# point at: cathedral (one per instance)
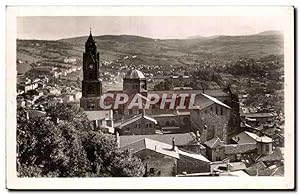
(91, 83)
(217, 113)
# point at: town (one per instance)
(236, 127)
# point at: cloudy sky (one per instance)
(53, 28)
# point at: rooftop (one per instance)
(134, 119)
(156, 146)
(195, 156)
(135, 74)
(180, 139)
(98, 115)
(259, 115)
(214, 142)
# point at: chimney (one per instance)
(118, 139)
(198, 136)
(27, 115)
(204, 134)
(173, 143)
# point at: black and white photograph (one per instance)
(183, 96)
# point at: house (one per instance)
(174, 122)
(102, 120)
(258, 118)
(192, 163)
(263, 143)
(137, 125)
(160, 159)
(213, 148)
(237, 166)
(274, 158)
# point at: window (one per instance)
(216, 110)
(151, 170)
(211, 109)
(109, 123)
(267, 148)
(167, 123)
(205, 111)
(173, 123)
(137, 126)
(148, 125)
(221, 111)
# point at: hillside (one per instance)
(155, 51)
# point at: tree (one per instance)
(107, 160)
(69, 147)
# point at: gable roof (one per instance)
(155, 146)
(236, 166)
(245, 137)
(98, 115)
(277, 155)
(134, 119)
(195, 156)
(180, 139)
(215, 100)
(213, 143)
(134, 74)
(210, 92)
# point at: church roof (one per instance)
(134, 74)
(90, 39)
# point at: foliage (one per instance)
(69, 147)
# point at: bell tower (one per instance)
(91, 83)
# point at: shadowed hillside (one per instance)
(156, 51)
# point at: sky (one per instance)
(163, 27)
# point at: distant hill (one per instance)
(271, 32)
(156, 51)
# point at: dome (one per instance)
(134, 74)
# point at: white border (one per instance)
(13, 182)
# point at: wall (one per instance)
(139, 127)
(215, 120)
(167, 166)
(181, 121)
(191, 165)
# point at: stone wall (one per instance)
(192, 165)
(215, 117)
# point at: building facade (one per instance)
(91, 83)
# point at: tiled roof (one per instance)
(279, 171)
(210, 92)
(236, 166)
(216, 101)
(134, 119)
(195, 156)
(180, 139)
(258, 115)
(239, 148)
(159, 147)
(98, 115)
(277, 155)
(245, 137)
(134, 74)
(213, 143)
